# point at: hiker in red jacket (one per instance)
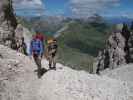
(42, 38)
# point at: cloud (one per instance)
(119, 13)
(127, 14)
(86, 8)
(56, 12)
(28, 7)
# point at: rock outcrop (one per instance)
(118, 51)
(17, 78)
(130, 45)
(114, 54)
(18, 81)
(23, 32)
(8, 22)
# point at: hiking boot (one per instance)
(53, 68)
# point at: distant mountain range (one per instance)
(54, 23)
(118, 20)
(59, 19)
(48, 23)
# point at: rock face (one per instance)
(8, 21)
(16, 76)
(18, 81)
(130, 45)
(114, 54)
(118, 51)
(20, 32)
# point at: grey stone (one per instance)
(8, 21)
(114, 53)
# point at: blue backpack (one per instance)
(36, 46)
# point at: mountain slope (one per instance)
(80, 38)
(67, 84)
(80, 42)
(18, 81)
(123, 73)
(45, 24)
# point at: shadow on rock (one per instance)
(41, 72)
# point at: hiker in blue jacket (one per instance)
(36, 50)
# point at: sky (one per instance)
(74, 8)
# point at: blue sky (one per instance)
(76, 8)
(56, 6)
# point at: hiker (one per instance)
(36, 50)
(13, 44)
(42, 38)
(51, 52)
(21, 46)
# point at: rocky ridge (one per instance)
(118, 50)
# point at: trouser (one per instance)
(52, 61)
(37, 61)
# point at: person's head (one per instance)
(37, 32)
(54, 40)
(51, 40)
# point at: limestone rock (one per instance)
(123, 73)
(114, 53)
(18, 81)
(130, 44)
(23, 32)
(7, 21)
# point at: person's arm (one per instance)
(56, 47)
(25, 48)
(46, 52)
(41, 48)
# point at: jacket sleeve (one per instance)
(41, 48)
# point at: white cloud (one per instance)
(122, 13)
(86, 8)
(29, 5)
(126, 14)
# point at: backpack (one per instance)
(52, 48)
(23, 48)
(36, 46)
